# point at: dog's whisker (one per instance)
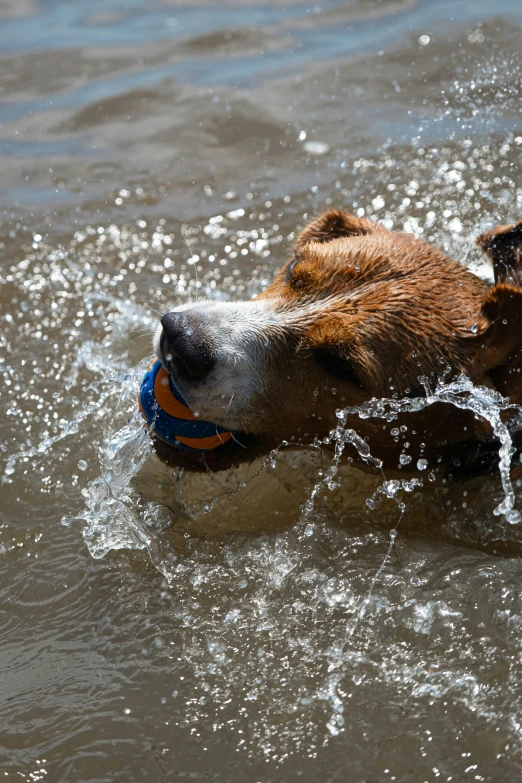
(152, 305)
(142, 330)
(171, 295)
(148, 336)
(229, 404)
(195, 264)
(237, 441)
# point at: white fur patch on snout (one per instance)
(238, 334)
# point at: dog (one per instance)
(357, 312)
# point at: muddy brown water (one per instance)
(295, 651)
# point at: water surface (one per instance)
(308, 650)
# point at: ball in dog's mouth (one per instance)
(170, 418)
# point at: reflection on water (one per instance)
(312, 632)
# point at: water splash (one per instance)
(340, 437)
(462, 393)
(483, 402)
(118, 517)
(115, 516)
(106, 389)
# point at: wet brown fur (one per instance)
(400, 307)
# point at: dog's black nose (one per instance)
(186, 351)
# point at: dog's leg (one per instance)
(503, 245)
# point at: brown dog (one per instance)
(358, 312)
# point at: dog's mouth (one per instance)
(189, 369)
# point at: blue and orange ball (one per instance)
(170, 418)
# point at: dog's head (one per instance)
(357, 312)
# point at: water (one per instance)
(297, 619)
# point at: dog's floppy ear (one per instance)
(503, 245)
(334, 224)
(499, 340)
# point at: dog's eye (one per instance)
(290, 268)
(337, 367)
